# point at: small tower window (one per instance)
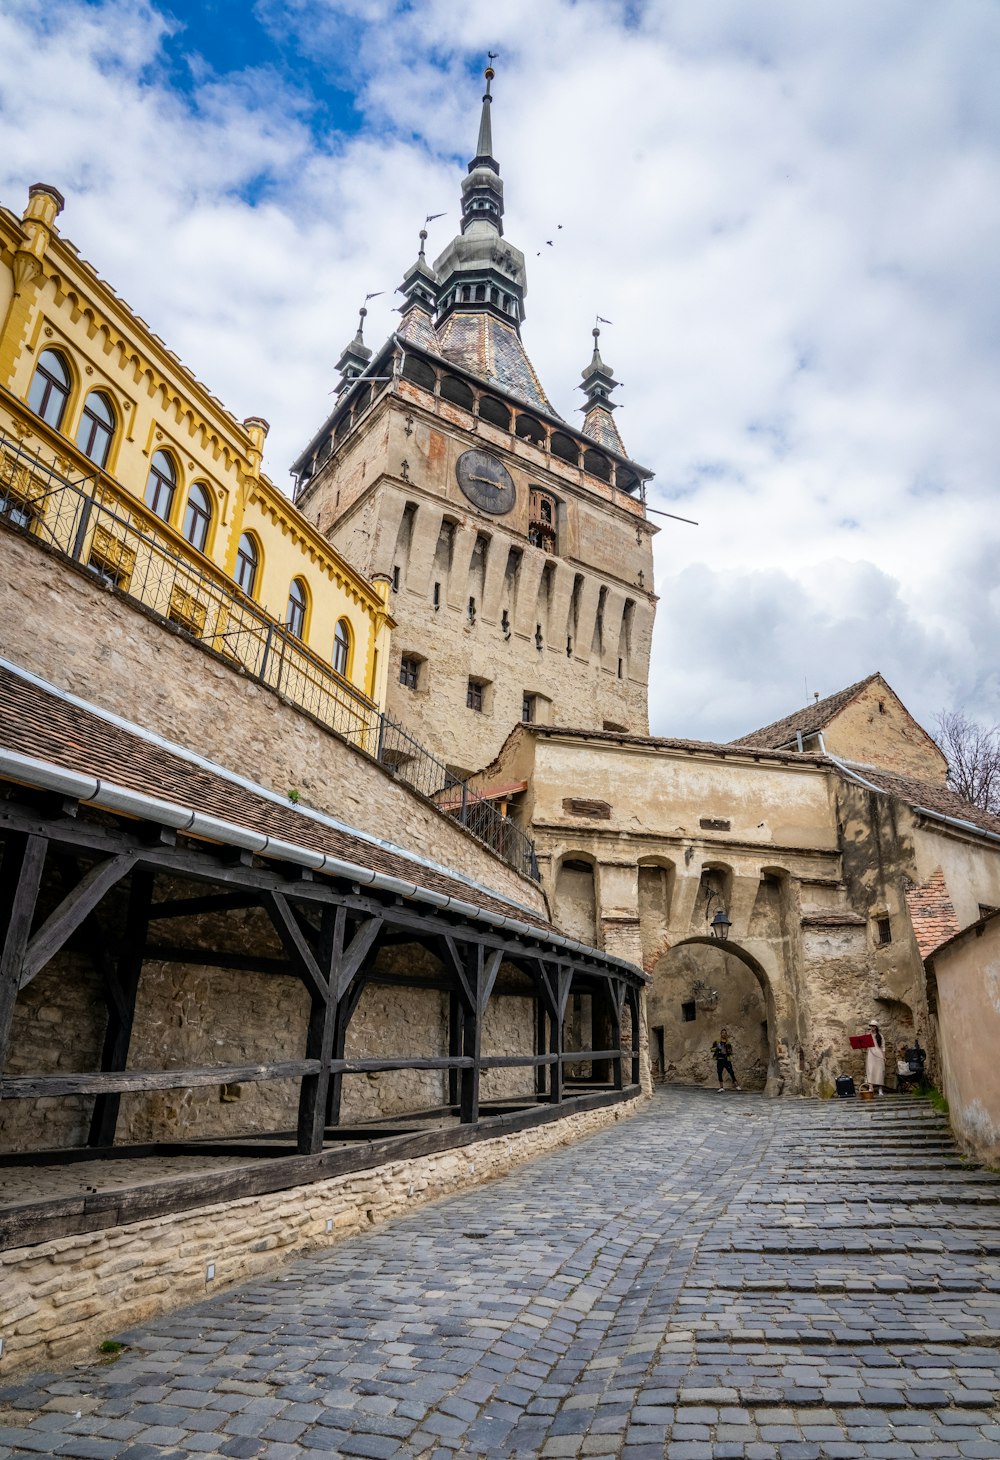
(883, 928)
(542, 517)
(474, 695)
(409, 671)
(528, 709)
(437, 596)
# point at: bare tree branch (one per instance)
(973, 755)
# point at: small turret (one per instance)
(356, 355)
(598, 385)
(420, 292)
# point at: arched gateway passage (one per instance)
(699, 986)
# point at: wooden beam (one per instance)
(296, 945)
(121, 1015)
(20, 880)
(70, 913)
(40, 1087)
(193, 907)
(213, 958)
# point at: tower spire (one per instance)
(482, 190)
(484, 145)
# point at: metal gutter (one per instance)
(108, 796)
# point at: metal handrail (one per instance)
(100, 525)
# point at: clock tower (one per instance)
(516, 543)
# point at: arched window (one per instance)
(162, 484)
(342, 647)
(49, 388)
(96, 428)
(295, 613)
(197, 516)
(247, 563)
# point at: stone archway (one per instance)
(700, 985)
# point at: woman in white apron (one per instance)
(875, 1060)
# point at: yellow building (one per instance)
(114, 454)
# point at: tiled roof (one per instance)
(973, 928)
(599, 425)
(807, 720)
(932, 796)
(37, 723)
(417, 327)
(492, 349)
(932, 913)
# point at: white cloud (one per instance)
(789, 211)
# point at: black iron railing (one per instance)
(94, 522)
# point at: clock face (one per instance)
(485, 481)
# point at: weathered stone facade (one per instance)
(475, 599)
(643, 842)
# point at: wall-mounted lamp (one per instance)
(720, 925)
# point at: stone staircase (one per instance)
(847, 1302)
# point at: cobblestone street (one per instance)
(721, 1276)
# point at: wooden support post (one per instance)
(540, 1046)
(616, 998)
(456, 1019)
(121, 1005)
(472, 1037)
(556, 981)
(20, 880)
(320, 1035)
(329, 977)
(632, 997)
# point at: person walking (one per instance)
(722, 1053)
(875, 1060)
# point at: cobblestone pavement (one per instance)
(721, 1276)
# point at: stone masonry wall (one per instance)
(62, 1298)
(58, 622)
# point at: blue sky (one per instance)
(790, 211)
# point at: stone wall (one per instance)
(56, 621)
(63, 1298)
